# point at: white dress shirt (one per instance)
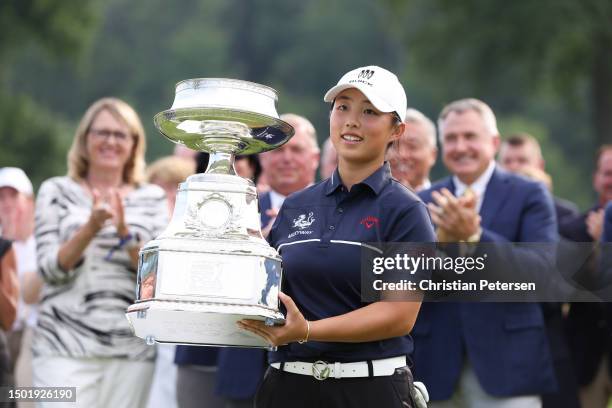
(276, 200)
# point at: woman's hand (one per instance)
(103, 210)
(71, 252)
(295, 327)
(100, 211)
(119, 214)
(122, 228)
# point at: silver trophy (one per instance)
(211, 266)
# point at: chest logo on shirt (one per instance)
(369, 221)
(303, 222)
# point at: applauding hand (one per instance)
(456, 218)
(119, 214)
(101, 211)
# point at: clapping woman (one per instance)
(90, 225)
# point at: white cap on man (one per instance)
(16, 178)
(381, 87)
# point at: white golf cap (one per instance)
(381, 87)
(16, 178)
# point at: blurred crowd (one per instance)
(69, 256)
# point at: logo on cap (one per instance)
(366, 74)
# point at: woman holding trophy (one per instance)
(89, 228)
(336, 350)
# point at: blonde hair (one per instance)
(170, 169)
(78, 159)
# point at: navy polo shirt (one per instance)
(319, 234)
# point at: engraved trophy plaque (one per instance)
(211, 266)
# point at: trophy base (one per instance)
(194, 323)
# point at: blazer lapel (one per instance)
(448, 184)
(265, 202)
(495, 197)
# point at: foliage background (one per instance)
(545, 67)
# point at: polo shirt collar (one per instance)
(375, 181)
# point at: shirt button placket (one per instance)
(335, 221)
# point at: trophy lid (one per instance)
(212, 114)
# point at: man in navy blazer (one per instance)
(483, 354)
(589, 324)
(288, 169)
(521, 154)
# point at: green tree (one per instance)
(512, 48)
(33, 136)
(547, 61)
(139, 53)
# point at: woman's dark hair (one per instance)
(396, 119)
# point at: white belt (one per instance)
(322, 370)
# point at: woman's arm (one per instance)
(56, 259)
(376, 321)
(122, 228)
(9, 289)
(157, 206)
(133, 252)
(71, 251)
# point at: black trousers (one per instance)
(281, 389)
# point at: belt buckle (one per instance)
(320, 370)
